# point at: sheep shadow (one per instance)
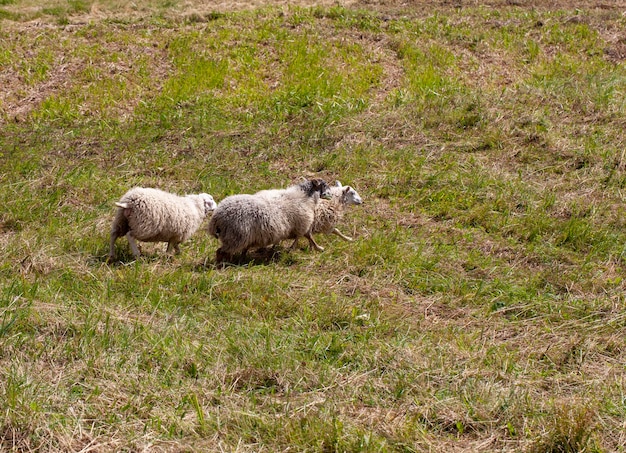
(124, 257)
(130, 259)
(257, 257)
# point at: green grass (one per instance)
(480, 307)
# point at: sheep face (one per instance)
(350, 196)
(311, 186)
(209, 202)
(322, 187)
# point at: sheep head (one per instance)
(209, 203)
(350, 196)
(317, 185)
(323, 188)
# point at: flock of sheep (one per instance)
(241, 222)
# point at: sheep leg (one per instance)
(114, 237)
(133, 245)
(295, 243)
(173, 246)
(244, 255)
(221, 256)
(342, 236)
(309, 236)
(118, 229)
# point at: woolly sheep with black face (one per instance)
(329, 212)
(243, 222)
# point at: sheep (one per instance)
(329, 212)
(242, 222)
(152, 215)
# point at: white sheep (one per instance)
(242, 222)
(329, 212)
(152, 215)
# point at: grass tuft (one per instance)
(570, 430)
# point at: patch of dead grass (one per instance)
(19, 97)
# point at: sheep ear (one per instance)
(347, 189)
(337, 184)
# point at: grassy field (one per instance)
(481, 306)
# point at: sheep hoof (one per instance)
(221, 257)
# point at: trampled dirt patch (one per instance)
(18, 100)
(65, 68)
